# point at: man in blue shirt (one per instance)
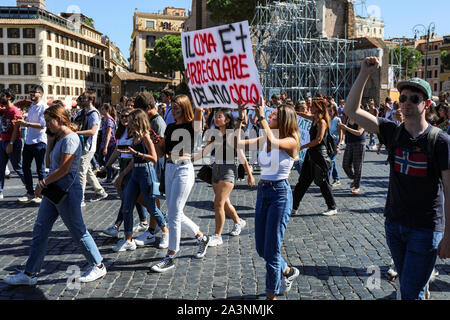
(166, 97)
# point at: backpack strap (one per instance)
(433, 135)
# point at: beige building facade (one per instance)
(42, 48)
(369, 28)
(149, 27)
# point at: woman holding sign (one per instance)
(178, 146)
(274, 199)
(317, 161)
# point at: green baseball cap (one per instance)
(418, 83)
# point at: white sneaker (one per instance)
(112, 232)
(164, 242)
(100, 196)
(27, 198)
(286, 281)
(330, 213)
(1, 195)
(140, 227)
(145, 239)
(238, 228)
(37, 200)
(21, 279)
(83, 204)
(93, 273)
(215, 241)
(124, 245)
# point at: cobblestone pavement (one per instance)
(338, 257)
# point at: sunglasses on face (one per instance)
(414, 98)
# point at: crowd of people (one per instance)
(156, 144)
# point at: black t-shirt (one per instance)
(351, 138)
(181, 136)
(415, 198)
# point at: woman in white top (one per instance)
(279, 147)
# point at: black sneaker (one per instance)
(286, 281)
(203, 244)
(165, 265)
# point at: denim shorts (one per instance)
(224, 172)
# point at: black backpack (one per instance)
(82, 119)
(330, 143)
(432, 137)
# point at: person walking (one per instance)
(35, 143)
(108, 140)
(417, 221)
(278, 151)
(355, 141)
(317, 164)
(224, 173)
(124, 140)
(177, 145)
(336, 132)
(142, 180)
(11, 142)
(88, 120)
(64, 175)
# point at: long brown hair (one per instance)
(185, 104)
(58, 111)
(140, 120)
(321, 105)
(288, 118)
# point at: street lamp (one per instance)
(420, 28)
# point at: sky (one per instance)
(116, 20)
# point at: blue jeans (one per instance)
(36, 152)
(414, 253)
(333, 171)
(71, 215)
(16, 160)
(140, 209)
(141, 182)
(273, 209)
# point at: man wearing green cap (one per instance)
(418, 202)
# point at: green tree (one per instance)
(229, 11)
(445, 60)
(407, 57)
(167, 56)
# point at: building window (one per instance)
(49, 51)
(14, 49)
(63, 91)
(1, 32)
(58, 90)
(435, 74)
(67, 56)
(29, 33)
(98, 63)
(71, 57)
(429, 62)
(17, 88)
(28, 88)
(67, 73)
(436, 61)
(57, 38)
(29, 49)
(2, 86)
(68, 91)
(76, 57)
(49, 36)
(150, 42)
(61, 54)
(57, 53)
(49, 70)
(14, 33)
(14, 69)
(435, 87)
(29, 69)
(2, 68)
(50, 89)
(58, 74)
(150, 24)
(1, 49)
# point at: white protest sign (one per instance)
(220, 65)
(304, 125)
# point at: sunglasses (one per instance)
(414, 98)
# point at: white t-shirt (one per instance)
(36, 115)
(123, 141)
